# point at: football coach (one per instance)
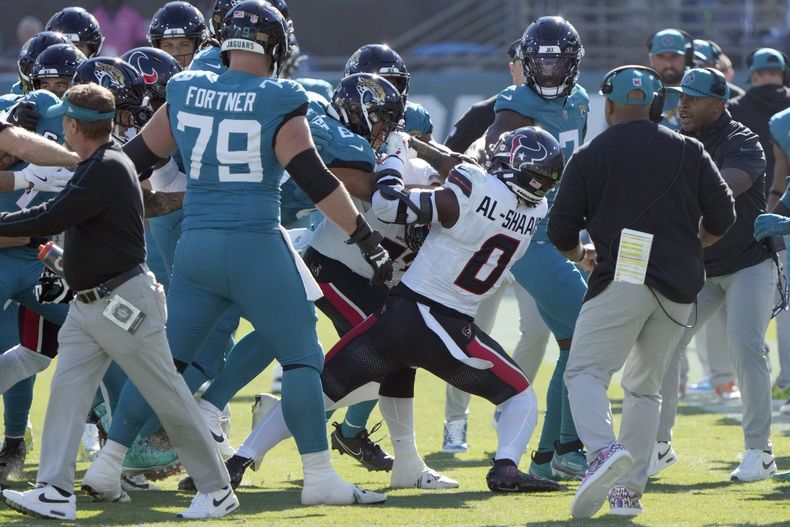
(650, 199)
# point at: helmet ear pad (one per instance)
(659, 95)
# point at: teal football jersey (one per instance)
(779, 125)
(16, 88)
(207, 59)
(8, 100)
(224, 126)
(345, 149)
(319, 86)
(416, 119)
(51, 128)
(562, 117)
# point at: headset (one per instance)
(785, 70)
(657, 106)
(719, 87)
(688, 49)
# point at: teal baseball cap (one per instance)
(703, 82)
(66, 107)
(622, 82)
(668, 41)
(765, 58)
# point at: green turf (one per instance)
(695, 491)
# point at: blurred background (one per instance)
(455, 49)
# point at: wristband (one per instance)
(20, 183)
(584, 254)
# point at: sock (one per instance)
(553, 418)
(318, 468)
(356, 418)
(518, 420)
(19, 363)
(115, 451)
(269, 432)
(398, 413)
(501, 463)
(303, 409)
(568, 432)
(564, 448)
(18, 400)
(541, 458)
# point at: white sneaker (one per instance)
(455, 437)
(416, 474)
(136, 482)
(211, 504)
(756, 465)
(102, 481)
(663, 456)
(44, 501)
(89, 445)
(213, 417)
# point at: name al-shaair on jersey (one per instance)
(329, 240)
(461, 266)
(562, 117)
(224, 126)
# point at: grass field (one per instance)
(695, 491)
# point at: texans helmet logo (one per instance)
(520, 153)
(140, 61)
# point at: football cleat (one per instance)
(136, 482)
(211, 504)
(102, 481)
(44, 501)
(508, 478)
(756, 465)
(213, 418)
(663, 456)
(609, 465)
(12, 459)
(236, 466)
(414, 473)
(454, 440)
(361, 448)
(155, 463)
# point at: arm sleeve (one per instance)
(744, 152)
(84, 197)
(567, 215)
(715, 198)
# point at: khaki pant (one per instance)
(624, 325)
(746, 297)
(88, 343)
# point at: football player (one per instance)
(250, 126)
(550, 52)
(179, 29)
(28, 55)
(480, 224)
(79, 27)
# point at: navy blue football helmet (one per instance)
(363, 100)
(529, 161)
(178, 20)
(80, 27)
(125, 83)
(30, 52)
(155, 67)
(382, 60)
(550, 53)
(57, 61)
(221, 8)
(256, 26)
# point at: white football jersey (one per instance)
(461, 266)
(329, 240)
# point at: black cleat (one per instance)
(187, 484)
(12, 459)
(236, 466)
(508, 478)
(361, 448)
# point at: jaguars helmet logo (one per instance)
(370, 92)
(108, 76)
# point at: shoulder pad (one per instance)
(519, 99)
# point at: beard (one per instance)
(671, 76)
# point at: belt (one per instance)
(104, 289)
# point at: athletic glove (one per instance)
(771, 225)
(398, 145)
(44, 179)
(369, 243)
(52, 289)
(24, 114)
(321, 136)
